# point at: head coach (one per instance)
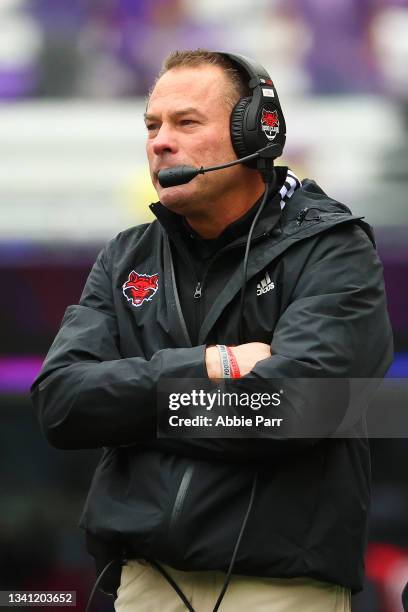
(246, 272)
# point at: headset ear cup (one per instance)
(237, 127)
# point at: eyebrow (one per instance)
(182, 111)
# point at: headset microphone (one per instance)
(179, 175)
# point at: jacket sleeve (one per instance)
(335, 326)
(86, 394)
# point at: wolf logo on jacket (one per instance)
(140, 288)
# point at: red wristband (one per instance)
(235, 372)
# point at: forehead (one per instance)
(202, 85)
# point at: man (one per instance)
(287, 517)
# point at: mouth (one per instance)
(156, 174)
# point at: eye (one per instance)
(151, 127)
(188, 121)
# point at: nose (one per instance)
(164, 141)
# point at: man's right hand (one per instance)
(247, 355)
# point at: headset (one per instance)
(257, 126)
(256, 120)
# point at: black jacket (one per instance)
(182, 501)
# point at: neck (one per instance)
(213, 219)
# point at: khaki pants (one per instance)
(144, 589)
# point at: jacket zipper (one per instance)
(198, 291)
(199, 288)
(181, 496)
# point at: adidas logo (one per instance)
(265, 285)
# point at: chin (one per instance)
(175, 199)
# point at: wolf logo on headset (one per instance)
(270, 123)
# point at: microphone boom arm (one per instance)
(179, 175)
(277, 150)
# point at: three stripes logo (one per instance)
(265, 285)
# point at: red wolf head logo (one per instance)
(270, 118)
(140, 287)
(270, 123)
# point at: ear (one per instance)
(154, 278)
(133, 277)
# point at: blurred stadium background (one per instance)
(73, 76)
